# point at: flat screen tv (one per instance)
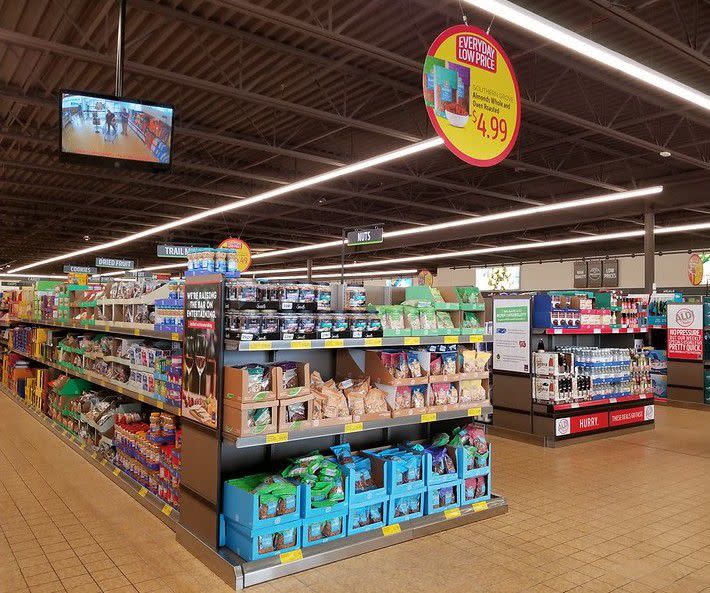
(115, 131)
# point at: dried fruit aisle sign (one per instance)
(471, 95)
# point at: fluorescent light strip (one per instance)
(550, 31)
(279, 191)
(350, 275)
(149, 269)
(50, 276)
(467, 221)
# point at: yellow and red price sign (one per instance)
(243, 252)
(695, 269)
(472, 95)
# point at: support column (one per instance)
(649, 249)
(309, 269)
(120, 46)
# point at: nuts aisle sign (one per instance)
(471, 95)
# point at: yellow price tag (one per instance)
(291, 556)
(93, 456)
(373, 341)
(451, 339)
(353, 427)
(259, 345)
(301, 344)
(175, 337)
(391, 529)
(452, 513)
(143, 491)
(479, 506)
(474, 339)
(104, 462)
(116, 472)
(136, 332)
(82, 446)
(335, 343)
(474, 411)
(166, 510)
(412, 340)
(431, 417)
(277, 437)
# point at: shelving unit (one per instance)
(134, 394)
(166, 513)
(106, 328)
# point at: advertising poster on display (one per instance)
(511, 335)
(685, 331)
(584, 423)
(634, 415)
(243, 252)
(472, 95)
(202, 349)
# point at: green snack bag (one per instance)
(427, 318)
(439, 440)
(411, 317)
(443, 320)
(436, 295)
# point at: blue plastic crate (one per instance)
(241, 506)
(246, 542)
(475, 499)
(308, 510)
(411, 496)
(315, 529)
(394, 472)
(433, 503)
(463, 463)
(432, 478)
(377, 509)
(355, 498)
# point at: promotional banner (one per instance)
(685, 331)
(243, 252)
(584, 423)
(471, 95)
(631, 415)
(580, 274)
(203, 349)
(511, 335)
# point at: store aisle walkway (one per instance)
(629, 514)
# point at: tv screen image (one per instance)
(116, 129)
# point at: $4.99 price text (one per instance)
(494, 128)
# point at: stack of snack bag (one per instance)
(324, 507)
(350, 400)
(473, 361)
(262, 516)
(367, 497)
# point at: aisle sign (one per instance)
(685, 331)
(365, 236)
(70, 269)
(610, 273)
(111, 262)
(177, 251)
(472, 95)
(243, 252)
(511, 335)
(594, 273)
(580, 274)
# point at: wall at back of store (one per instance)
(671, 270)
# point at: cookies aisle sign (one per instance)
(472, 95)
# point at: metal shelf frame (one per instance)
(104, 327)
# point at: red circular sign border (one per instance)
(443, 36)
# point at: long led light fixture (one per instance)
(349, 275)
(49, 276)
(550, 31)
(467, 221)
(273, 193)
(149, 269)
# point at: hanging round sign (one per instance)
(472, 95)
(695, 269)
(243, 252)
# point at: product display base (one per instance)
(686, 405)
(240, 574)
(147, 499)
(551, 441)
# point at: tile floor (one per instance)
(629, 514)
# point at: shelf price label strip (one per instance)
(391, 529)
(452, 513)
(479, 506)
(291, 556)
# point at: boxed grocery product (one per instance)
(324, 528)
(403, 468)
(253, 544)
(322, 484)
(367, 516)
(442, 497)
(250, 418)
(250, 383)
(261, 500)
(291, 379)
(476, 489)
(365, 479)
(406, 506)
(440, 464)
(549, 364)
(296, 413)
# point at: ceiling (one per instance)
(270, 92)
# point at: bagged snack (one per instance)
(290, 374)
(436, 295)
(418, 396)
(259, 417)
(470, 320)
(441, 461)
(403, 397)
(480, 487)
(435, 364)
(440, 439)
(361, 475)
(401, 370)
(415, 368)
(296, 412)
(258, 378)
(446, 497)
(453, 396)
(443, 320)
(467, 294)
(440, 393)
(392, 316)
(482, 360)
(448, 363)
(325, 529)
(427, 318)
(468, 361)
(343, 454)
(411, 317)
(375, 401)
(471, 391)
(356, 404)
